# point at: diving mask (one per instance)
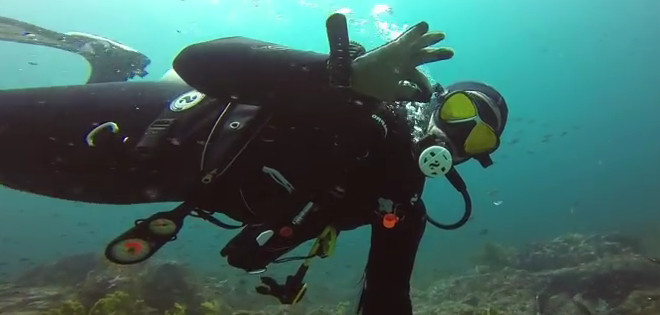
(469, 117)
(460, 118)
(456, 133)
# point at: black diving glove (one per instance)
(382, 72)
(289, 293)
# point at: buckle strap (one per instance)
(239, 123)
(184, 116)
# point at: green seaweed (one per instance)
(118, 303)
(211, 307)
(70, 307)
(121, 303)
(178, 309)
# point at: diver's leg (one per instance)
(390, 264)
(76, 142)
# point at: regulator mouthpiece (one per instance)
(435, 161)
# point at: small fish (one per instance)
(32, 63)
(483, 232)
(498, 202)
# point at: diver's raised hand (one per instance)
(387, 72)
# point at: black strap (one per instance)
(291, 292)
(179, 124)
(339, 63)
(198, 213)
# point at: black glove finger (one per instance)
(420, 92)
(428, 39)
(408, 38)
(262, 289)
(428, 55)
(268, 281)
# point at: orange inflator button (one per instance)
(390, 220)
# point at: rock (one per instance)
(24, 301)
(609, 279)
(616, 282)
(645, 302)
(163, 285)
(65, 271)
(573, 249)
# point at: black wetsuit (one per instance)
(308, 139)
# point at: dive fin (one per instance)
(110, 61)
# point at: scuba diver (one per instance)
(294, 145)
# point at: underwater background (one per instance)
(579, 155)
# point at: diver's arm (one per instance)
(257, 72)
(391, 260)
(399, 187)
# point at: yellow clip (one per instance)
(300, 294)
(326, 242)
